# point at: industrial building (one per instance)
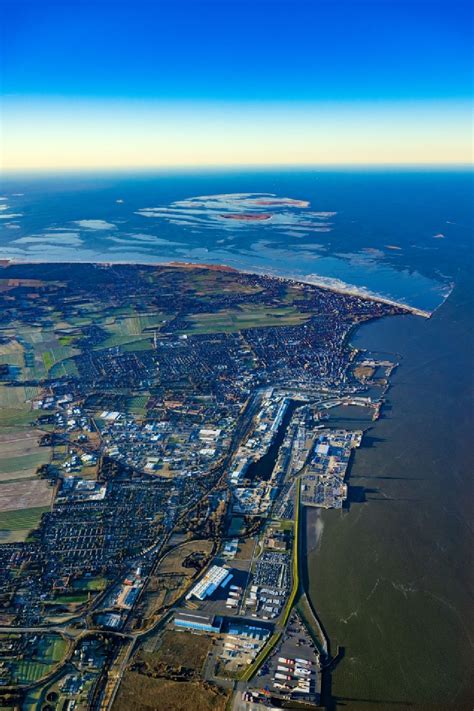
(215, 577)
(200, 623)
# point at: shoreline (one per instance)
(335, 285)
(402, 430)
(312, 534)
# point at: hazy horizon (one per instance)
(97, 86)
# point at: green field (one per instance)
(27, 671)
(229, 321)
(69, 598)
(32, 699)
(18, 417)
(90, 584)
(35, 350)
(24, 461)
(49, 650)
(11, 353)
(137, 405)
(52, 648)
(48, 360)
(208, 282)
(56, 355)
(21, 519)
(12, 396)
(144, 344)
(131, 329)
(64, 368)
(66, 340)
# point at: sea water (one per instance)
(389, 576)
(398, 234)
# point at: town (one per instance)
(174, 423)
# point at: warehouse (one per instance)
(200, 623)
(214, 577)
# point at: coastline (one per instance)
(398, 607)
(348, 618)
(327, 283)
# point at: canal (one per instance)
(262, 469)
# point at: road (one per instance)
(73, 635)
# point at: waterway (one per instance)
(391, 576)
(262, 469)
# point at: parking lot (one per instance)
(296, 662)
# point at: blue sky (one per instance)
(68, 67)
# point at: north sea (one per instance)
(391, 576)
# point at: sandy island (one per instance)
(290, 202)
(247, 216)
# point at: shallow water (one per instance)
(398, 234)
(391, 577)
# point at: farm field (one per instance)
(132, 328)
(209, 282)
(20, 456)
(11, 477)
(23, 497)
(143, 344)
(15, 417)
(17, 523)
(229, 321)
(34, 350)
(63, 369)
(17, 464)
(20, 453)
(11, 353)
(17, 397)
